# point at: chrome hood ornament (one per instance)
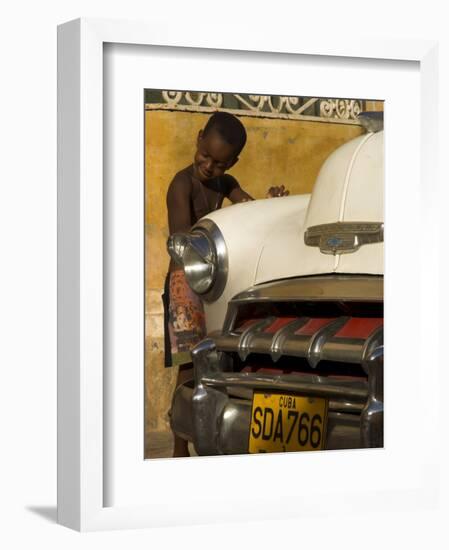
(343, 237)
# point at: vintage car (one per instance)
(293, 294)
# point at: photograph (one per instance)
(264, 263)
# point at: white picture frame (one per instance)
(81, 409)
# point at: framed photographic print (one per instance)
(278, 277)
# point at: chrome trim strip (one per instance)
(226, 342)
(327, 389)
(342, 288)
(335, 405)
(345, 407)
(343, 350)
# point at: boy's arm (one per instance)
(239, 195)
(233, 190)
(236, 194)
(178, 205)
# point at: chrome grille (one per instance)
(314, 339)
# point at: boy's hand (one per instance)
(277, 192)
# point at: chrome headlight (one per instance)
(203, 255)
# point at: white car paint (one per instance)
(245, 228)
(265, 238)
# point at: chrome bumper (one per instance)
(208, 413)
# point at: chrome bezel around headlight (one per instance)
(206, 243)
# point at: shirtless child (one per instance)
(194, 192)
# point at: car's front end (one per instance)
(290, 352)
(293, 289)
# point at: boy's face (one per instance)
(213, 156)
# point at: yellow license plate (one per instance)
(286, 422)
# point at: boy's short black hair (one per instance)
(230, 129)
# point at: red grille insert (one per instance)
(278, 324)
(359, 327)
(313, 326)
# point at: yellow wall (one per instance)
(288, 152)
(374, 105)
(278, 151)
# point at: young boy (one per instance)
(194, 192)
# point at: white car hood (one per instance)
(349, 188)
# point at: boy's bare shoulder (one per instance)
(182, 181)
(184, 175)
